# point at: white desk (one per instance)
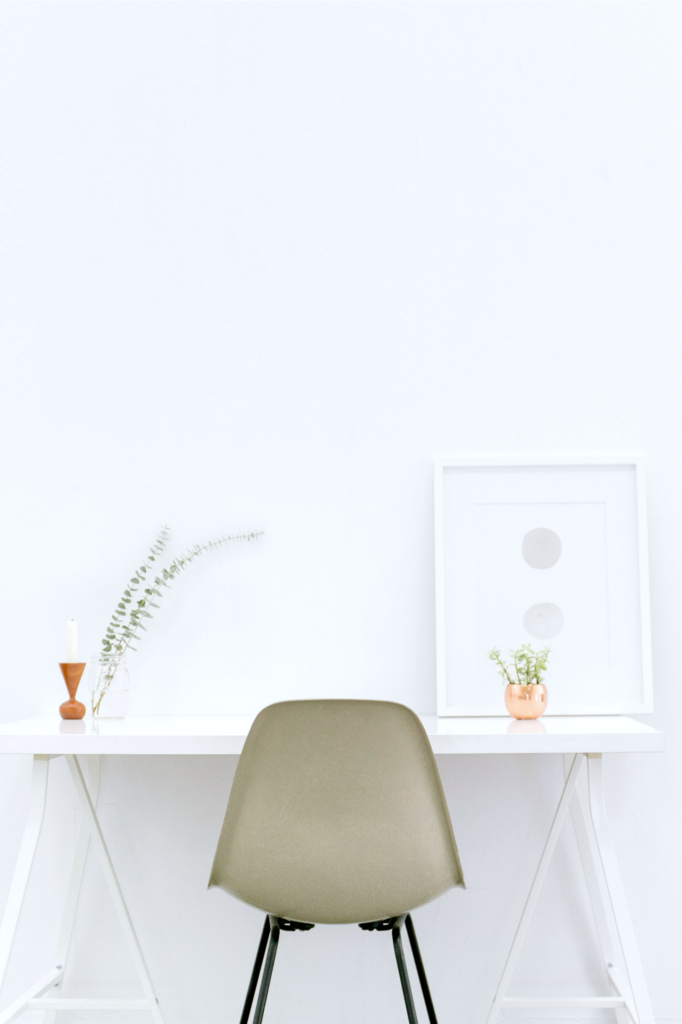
(225, 734)
(582, 741)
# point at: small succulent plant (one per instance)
(529, 666)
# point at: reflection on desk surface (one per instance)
(524, 726)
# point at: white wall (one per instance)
(259, 264)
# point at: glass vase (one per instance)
(109, 685)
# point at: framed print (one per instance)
(551, 552)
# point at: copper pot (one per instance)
(526, 701)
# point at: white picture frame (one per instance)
(564, 538)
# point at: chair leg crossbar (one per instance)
(267, 951)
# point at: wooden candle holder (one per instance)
(72, 672)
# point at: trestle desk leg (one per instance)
(75, 882)
(616, 892)
(535, 888)
(27, 850)
(102, 853)
(616, 977)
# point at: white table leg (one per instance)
(75, 882)
(629, 999)
(102, 853)
(554, 831)
(616, 978)
(616, 892)
(22, 871)
(35, 997)
(21, 1004)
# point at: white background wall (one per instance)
(259, 264)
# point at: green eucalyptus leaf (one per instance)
(125, 620)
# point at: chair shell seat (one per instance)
(337, 815)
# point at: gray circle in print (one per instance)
(541, 548)
(544, 621)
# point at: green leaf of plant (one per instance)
(125, 619)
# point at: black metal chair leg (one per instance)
(270, 939)
(255, 973)
(267, 970)
(412, 936)
(402, 969)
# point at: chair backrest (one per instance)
(337, 815)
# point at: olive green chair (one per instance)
(336, 816)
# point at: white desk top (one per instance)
(225, 734)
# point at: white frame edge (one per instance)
(443, 462)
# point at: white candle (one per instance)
(71, 641)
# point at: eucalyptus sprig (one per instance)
(529, 666)
(126, 620)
